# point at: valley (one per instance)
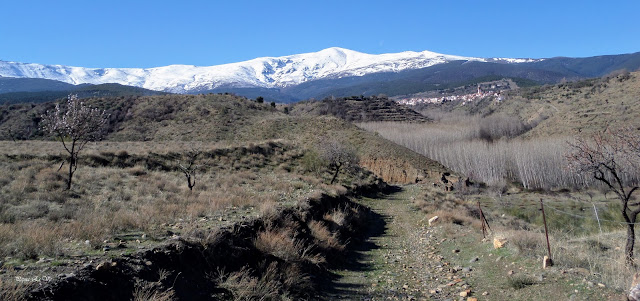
(221, 197)
(319, 150)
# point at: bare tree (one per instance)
(338, 157)
(610, 157)
(74, 125)
(189, 168)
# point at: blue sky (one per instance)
(157, 33)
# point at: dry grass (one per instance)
(275, 282)
(13, 286)
(324, 237)
(281, 243)
(336, 216)
(599, 256)
(244, 286)
(448, 208)
(154, 291)
(38, 218)
(595, 255)
(579, 250)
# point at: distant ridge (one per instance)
(333, 71)
(267, 72)
(37, 90)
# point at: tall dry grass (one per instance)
(39, 218)
(599, 255)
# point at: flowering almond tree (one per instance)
(613, 158)
(74, 125)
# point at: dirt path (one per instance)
(399, 261)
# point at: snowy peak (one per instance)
(267, 72)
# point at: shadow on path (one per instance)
(358, 258)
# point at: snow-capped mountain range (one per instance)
(267, 72)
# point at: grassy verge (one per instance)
(588, 265)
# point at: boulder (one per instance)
(499, 242)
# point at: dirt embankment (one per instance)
(402, 172)
(283, 253)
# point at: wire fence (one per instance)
(553, 207)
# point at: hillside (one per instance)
(32, 90)
(358, 109)
(14, 84)
(228, 119)
(580, 107)
(265, 214)
(263, 194)
(566, 109)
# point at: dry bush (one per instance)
(10, 288)
(337, 216)
(269, 210)
(294, 279)
(272, 282)
(527, 243)
(30, 239)
(448, 208)
(150, 292)
(244, 286)
(325, 238)
(281, 243)
(205, 236)
(154, 291)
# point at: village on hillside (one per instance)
(464, 94)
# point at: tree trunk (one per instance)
(71, 163)
(631, 239)
(189, 183)
(335, 175)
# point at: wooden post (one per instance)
(484, 218)
(484, 230)
(547, 261)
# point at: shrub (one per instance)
(281, 243)
(520, 282)
(244, 286)
(325, 238)
(312, 162)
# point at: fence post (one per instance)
(484, 230)
(547, 261)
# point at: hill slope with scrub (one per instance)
(227, 119)
(130, 213)
(565, 109)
